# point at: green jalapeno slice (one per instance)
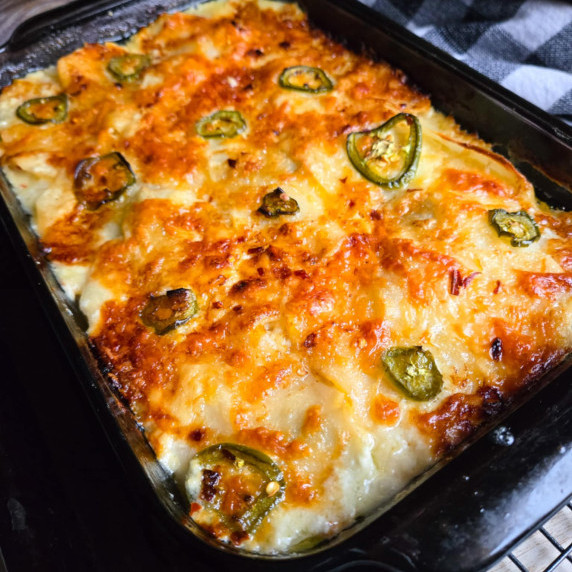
(389, 154)
(237, 483)
(128, 67)
(99, 180)
(414, 371)
(43, 110)
(519, 226)
(225, 123)
(278, 203)
(170, 310)
(305, 78)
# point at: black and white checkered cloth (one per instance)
(525, 45)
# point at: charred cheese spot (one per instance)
(458, 417)
(75, 239)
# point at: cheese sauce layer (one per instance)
(298, 336)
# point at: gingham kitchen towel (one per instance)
(525, 45)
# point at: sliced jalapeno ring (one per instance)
(305, 78)
(520, 226)
(384, 155)
(414, 371)
(170, 310)
(128, 67)
(278, 203)
(239, 484)
(225, 123)
(53, 109)
(99, 180)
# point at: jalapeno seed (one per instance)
(225, 123)
(414, 371)
(519, 226)
(305, 78)
(255, 468)
(384, 155)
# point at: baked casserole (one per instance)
(308, 284)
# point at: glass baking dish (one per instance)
(468, 510)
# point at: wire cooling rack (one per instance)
(547, 549)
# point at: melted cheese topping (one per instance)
(294, 312)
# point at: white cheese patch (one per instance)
(93, 297)
(72, 277)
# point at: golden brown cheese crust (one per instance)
(332, 280)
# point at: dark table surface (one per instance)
(16, 11)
